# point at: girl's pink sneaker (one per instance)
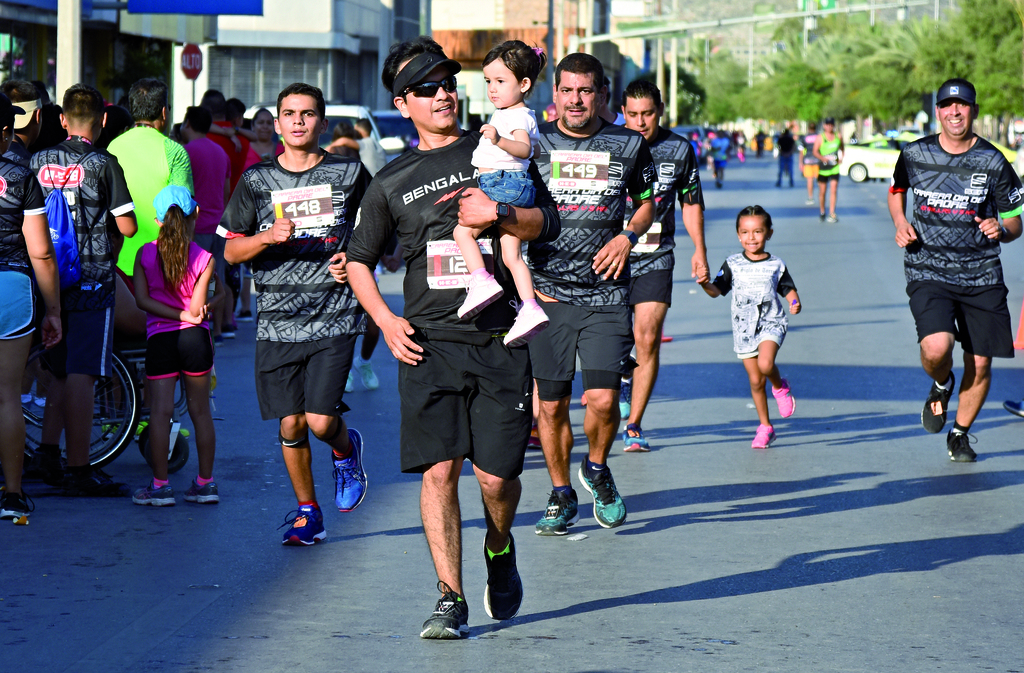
(764, 437)
(784, 398)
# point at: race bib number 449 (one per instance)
(446, 269)
(579, 170)
(310, 208)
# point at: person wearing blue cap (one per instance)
(172, 280)
(967, 202)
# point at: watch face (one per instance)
(503, 210)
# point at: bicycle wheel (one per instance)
(115, 415)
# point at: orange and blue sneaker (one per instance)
(307, 526)
(633, 439)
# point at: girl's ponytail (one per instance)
(173, 246)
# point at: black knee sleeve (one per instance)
(552, 391)
(292, 443)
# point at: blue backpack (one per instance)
(65, 240)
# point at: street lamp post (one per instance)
(69, 45)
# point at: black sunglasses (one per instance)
(429, 89)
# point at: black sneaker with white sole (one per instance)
(931, 421)
(15, 505)
(450, 619)
(504, 591)
(959, 446)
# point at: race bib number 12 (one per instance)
(579, 170)
(650, 241)
(446, 269)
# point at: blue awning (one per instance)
(246, 7)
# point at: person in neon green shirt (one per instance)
(828, 149)
(151, 161)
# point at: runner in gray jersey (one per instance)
(962, 187)
(653, 259)
(291, 217)
(591, 168)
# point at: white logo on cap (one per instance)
(954, 90)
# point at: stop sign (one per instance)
(191, 61)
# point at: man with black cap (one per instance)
(464, 394)
(963, 186)
(828, 150)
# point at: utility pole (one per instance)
(69, 45)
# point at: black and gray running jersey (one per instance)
(298, 299)
(95, 189)
(678, 173)
(20, 195)
(950, 190)
(416, 197)
(590, 180)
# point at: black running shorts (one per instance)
(189, 351)
(977, 316)
(295, 378)
(651, 286)
(601, 335)
(87, 346)
(466, 400)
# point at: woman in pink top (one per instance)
(172, 280)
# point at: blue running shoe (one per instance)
(625, 398)
(307, 526)
(634, 440)
(609, 510)
(349, 476)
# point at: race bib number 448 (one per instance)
(310, 208)
(579, 170)
(446, 269)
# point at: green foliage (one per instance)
(850, 68)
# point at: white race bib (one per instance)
(310, 208)
(579, 170)
(446, 269)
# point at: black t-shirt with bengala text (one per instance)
(299, 301)
(20, 195)
(416, 197)
(950, 190)
(590, 179)
(95, 189)
(678, 173)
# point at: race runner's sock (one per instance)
(593, 469)
(564, 490)
(159, 483)
(959, 429)
(203, 482)
(945, 386)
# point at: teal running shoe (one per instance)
(609, 510)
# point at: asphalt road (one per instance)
(853, 544)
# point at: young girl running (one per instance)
(757, 278)
(503, 158)
(172, 278)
